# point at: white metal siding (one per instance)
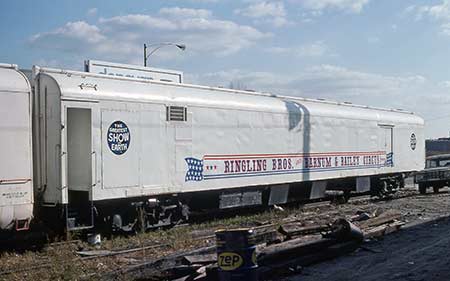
(16, 186)
(121, 170)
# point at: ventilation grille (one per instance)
(176, 113)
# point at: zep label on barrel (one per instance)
(229, 261)
(118, 137)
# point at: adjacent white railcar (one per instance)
(129, 152)
(16, 186)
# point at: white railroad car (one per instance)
(16, 185)
(133, 153)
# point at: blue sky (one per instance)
(382, 53)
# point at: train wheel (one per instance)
(383, 190)
(422, 188)
(436, 189)
(347, 195)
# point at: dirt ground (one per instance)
(61, 261)
(418, 252)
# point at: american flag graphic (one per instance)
(390, 159)
(195, 169)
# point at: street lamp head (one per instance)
(159, 46)
(181, 46)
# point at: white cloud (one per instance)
(121, 37)
(266, 12)
(310, 16)
(204, 1)
(409, 9)
(445, 29)
(137, 22)
(315, 49)
(92, 12)
(49, 63)
(350, 6)
(263, 9)
(72, 34)
(280, 21)
(177, 12)
(436, 12)
(439, 13)
(445, 84)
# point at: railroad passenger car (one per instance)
(128, 153)
(16, 178)
(125, 153)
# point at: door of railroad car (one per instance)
(79, 162)
(386, 143)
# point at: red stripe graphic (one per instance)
(252, 156)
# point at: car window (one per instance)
(431, 164)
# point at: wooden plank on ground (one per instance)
(296, 229)
(201, 259)
(383, 218)
(382, 230)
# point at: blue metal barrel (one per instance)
(236, 255)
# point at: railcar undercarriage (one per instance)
(145, 213)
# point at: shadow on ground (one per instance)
(421, 252)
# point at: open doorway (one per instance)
(79, 168)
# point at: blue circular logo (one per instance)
(118, 137)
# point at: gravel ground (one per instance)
(419, 252)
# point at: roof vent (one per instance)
(176, 113)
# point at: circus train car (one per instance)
(127, 153)
(16, 166)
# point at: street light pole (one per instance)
(159, 46)
(145, 54)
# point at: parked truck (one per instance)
(435, 175)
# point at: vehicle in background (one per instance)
(435, 175)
